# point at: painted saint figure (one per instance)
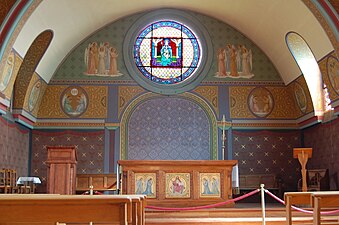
(139, 186)
(148, 190)
(177, 186)
(206, 189)
(166, 53)
(215, 186)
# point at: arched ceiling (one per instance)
(265, 22)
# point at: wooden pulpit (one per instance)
(61, 170)
(302, 154)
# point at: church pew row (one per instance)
(316, 200)
(50, 209)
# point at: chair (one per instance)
(14, 186)
(3, 181)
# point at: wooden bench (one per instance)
(253, 181)
(49, 209)
(100, 182)
(316, 200)
(323, 199)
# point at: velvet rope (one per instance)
(299, 209)
(205, 206)
(94, 193)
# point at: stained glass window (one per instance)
(167, 52)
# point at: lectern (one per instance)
(303, 154)
(61, 170)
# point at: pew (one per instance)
(136, 213)
(316, 200)
(294, 198)
(49, 209)
(323, 199)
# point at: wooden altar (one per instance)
(179, 183)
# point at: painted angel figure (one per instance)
(246, 60)
(221, 62)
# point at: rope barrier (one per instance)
(94, 193)
(299, 209)
(205, 206)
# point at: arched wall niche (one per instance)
(188, 98)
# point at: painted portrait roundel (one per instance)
(260, 102)
(74, 101)
(167, 52)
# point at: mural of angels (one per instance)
(101, 60)
(234, 62)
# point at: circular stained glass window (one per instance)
(167, 52)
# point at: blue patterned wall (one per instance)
(169, 128)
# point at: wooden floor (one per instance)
(241, 214)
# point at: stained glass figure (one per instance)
(167, 52)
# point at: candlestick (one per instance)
(118, 178)
(223, 136)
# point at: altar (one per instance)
(178, 183)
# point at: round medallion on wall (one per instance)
(300, 97)
(34, 95)
(260, 102)
(74, 101)
(168, 51)
(333, 72)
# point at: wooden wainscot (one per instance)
(99, 182)
(179, 183)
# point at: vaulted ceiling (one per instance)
(265, 22)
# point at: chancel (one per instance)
(173, 112)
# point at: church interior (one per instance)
(186, 102)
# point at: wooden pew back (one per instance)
(28, 209)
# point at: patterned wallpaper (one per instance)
(169, 128)
(14, 145)
(301, 96)
(329, 67)
(28, 66)
(221, 34)
(268, 152)
(35, 93)
(96, 101)
(89, 146)
(126, 94)
(324, 139)
(5, 7)
(13, 74)
(274, 102)
(210, 94)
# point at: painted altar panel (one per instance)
(180, 183)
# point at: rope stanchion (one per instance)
(299, 209)
(262, 191)
(205, 206)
